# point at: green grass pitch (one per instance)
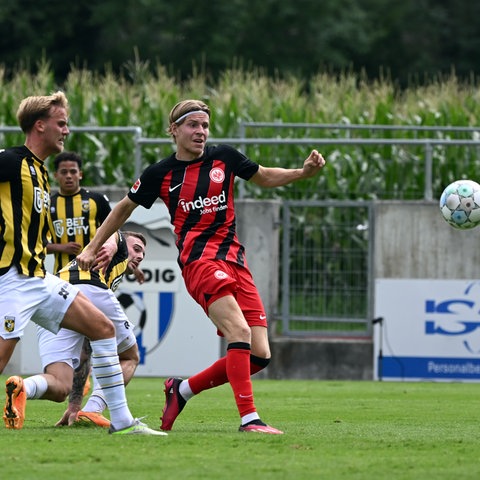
(333, 430)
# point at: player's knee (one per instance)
(130, 355)
(103, 329)
(135, 358)
(239, 333)
(60, 393)
(258, 363)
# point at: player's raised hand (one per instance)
(313, 164)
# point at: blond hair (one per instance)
(34, 108)
(182, 108)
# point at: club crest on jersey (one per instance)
(116, 283)
(58, 227)
(9, 323)
(41, 199)
(220, 275)
(85, 205)
(217, 175)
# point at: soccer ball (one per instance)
(460, 204)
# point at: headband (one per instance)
(185, 115)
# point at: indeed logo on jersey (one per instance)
(211, 204)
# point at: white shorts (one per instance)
(66, 346)
(41, 300)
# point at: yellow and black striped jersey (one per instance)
(75, 218)
(112, 277)
(24, 212)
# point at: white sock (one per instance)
(108, 372)
(185, 391)
(35, 386)
(250, 417)
(96, 402)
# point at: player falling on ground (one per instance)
(60, 353)
(76, 214)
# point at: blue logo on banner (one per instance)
(454, 317)
(147, 343)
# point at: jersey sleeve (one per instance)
(240, 164)
(10, 167)
(146, 189)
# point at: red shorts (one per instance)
(209, 280)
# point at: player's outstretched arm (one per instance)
(277, 176)
(115, 220)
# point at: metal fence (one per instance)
(326, 268)
(351, 129)
(326, 273)
(400, 157)
(380, 163)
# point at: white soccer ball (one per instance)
(460, 204)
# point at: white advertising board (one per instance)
(175, 337)
(428, 330)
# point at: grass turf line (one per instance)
(333, 429)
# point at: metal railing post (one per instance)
(428, 192)
(137, 152)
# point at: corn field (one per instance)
(144, 99)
